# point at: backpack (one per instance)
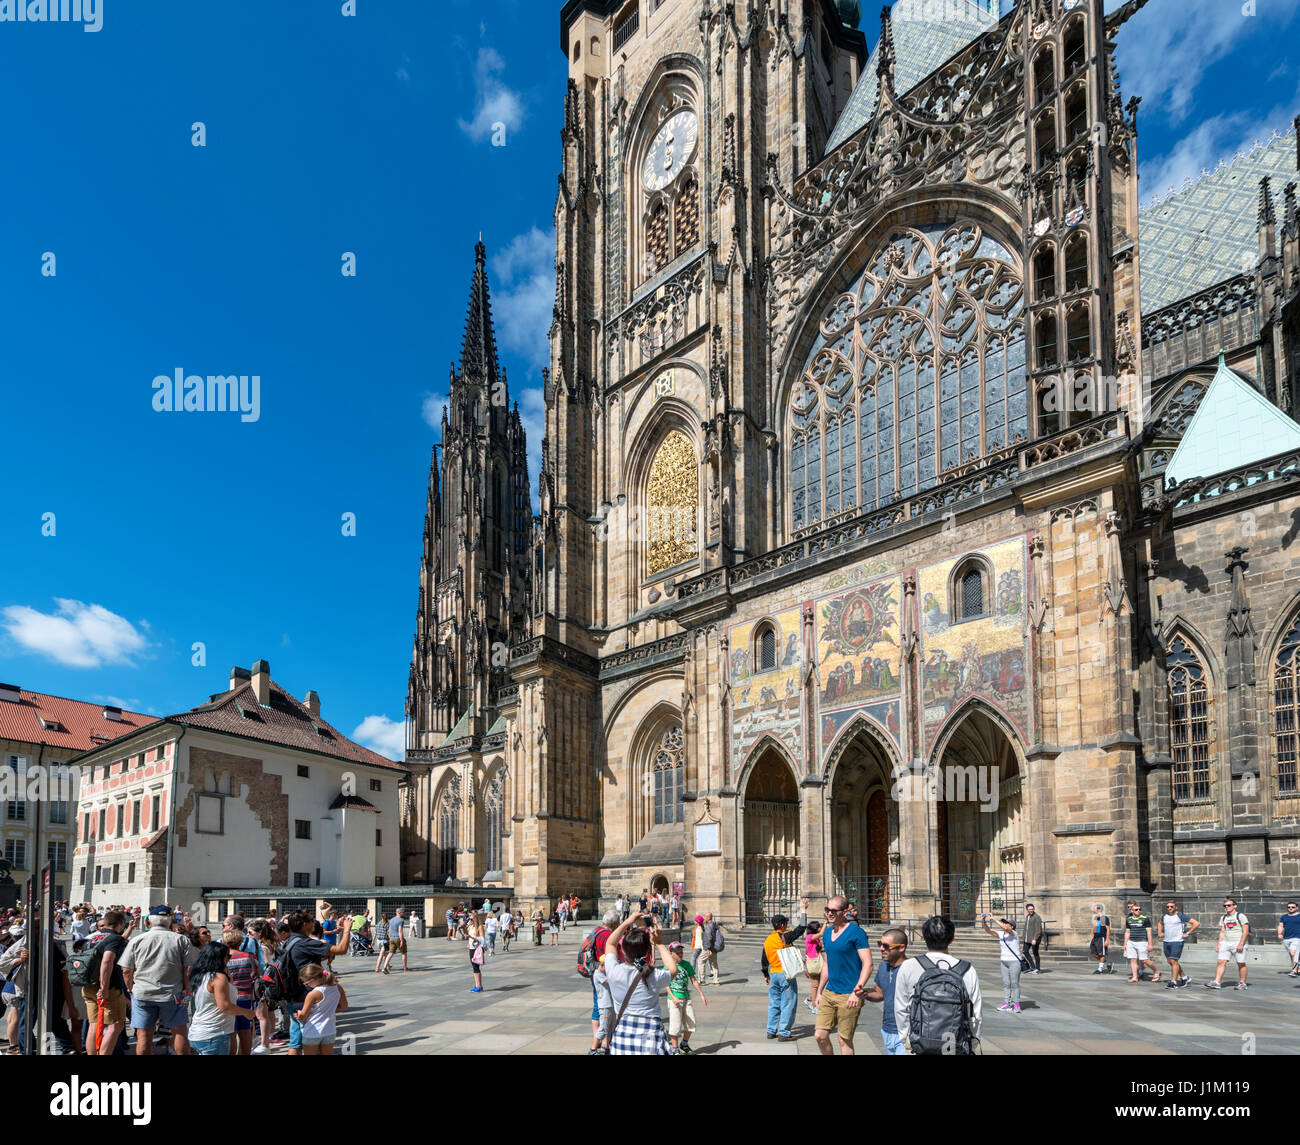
(719, 942)
(279, 979)
(588, 963)
(83, 967)
(939, 1018)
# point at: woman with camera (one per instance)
(635, 986)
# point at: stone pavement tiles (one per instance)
(534, 1002)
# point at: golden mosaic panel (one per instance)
(672, 504)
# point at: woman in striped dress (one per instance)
(635, 985)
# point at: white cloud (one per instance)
(119, 702)
(494, 102)
(431, 409)
(1162, 54)
(523, 298)
(78, 635)
(379, 733)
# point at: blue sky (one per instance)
(325, 134)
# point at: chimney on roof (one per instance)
(10, 692)
(238, 677)
(262, 682)
(113, 715)
(313, 704)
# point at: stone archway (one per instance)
(981, 849)
(864, 828)
(770, 812)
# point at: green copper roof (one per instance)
(1234, 425)
(462, 726)
(926, 34)
(498, 726)
(1205, 231)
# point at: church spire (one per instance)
(478, 352)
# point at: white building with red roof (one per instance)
(39, 734)
(251, 789)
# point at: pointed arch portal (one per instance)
(770, 825)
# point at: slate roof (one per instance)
(926, 34)
(85, 723)
(1205, 231)
(286, 721)
(1235, 425)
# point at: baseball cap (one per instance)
(674, 946)
(161, 909)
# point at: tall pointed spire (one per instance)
(478, 352)
(885, 52)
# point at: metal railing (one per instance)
(964, 897)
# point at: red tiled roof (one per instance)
(286, 722)
(346, 801)
(22, 721)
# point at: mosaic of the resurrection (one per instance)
(766, 701)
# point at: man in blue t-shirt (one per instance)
(1288, 930)
(846, 967)
(893, 953)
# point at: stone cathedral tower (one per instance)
(475, 573)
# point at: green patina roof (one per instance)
(1234, 425)
(1206, 231)
(498, 726)
(925, 35)
(462, 726)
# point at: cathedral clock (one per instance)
(671, 150)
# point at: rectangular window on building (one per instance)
(304, 772)
(379, 880)
(56, 852)
(130, 873)
(379, 837)
(116, 869)
(121, 820)
(16, 811)
(210, 819)
(102, 812)
(16, 853)
(135, 817)
(376, 785)
(59, 811)
(302, 828)
(160, 752)
(318, 876)
(301, 879)
(156, 822)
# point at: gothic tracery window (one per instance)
(494, 813)
(1286, 725)
(658, 238)
(686, 217)
(672, 504)
(669, 769)
(1189, 723)
(448, 812)
(919, 368)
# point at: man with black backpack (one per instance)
(281, 979)
(103, 985)
(937, 996)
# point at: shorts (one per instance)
(555, 928)
(114, 1007)
(395, 945)
(1173, 949)
(149, 1015)
(1097, 947)
(212, 1047)
(242, 1023)
(1228, 952)
(475, 967)
(327, 1040)
(1138, 950)
(834, 1014)
(681, 1017)
(1292, 947)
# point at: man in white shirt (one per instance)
(937, 932)
(1234, 930)
(491, 927)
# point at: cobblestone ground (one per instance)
(534, 1002)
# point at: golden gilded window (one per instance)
(687, 217)
(658, 239)
(672, 502)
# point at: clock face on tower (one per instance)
(671, 150)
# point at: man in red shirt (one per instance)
(609, 920)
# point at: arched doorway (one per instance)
(771, 834)
(659, 885)
(864, 828)
(980, 836)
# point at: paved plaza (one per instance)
(534, 1002)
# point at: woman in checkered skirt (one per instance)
(636, 985)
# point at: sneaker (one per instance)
(595, 1053)
(261, 1049)
(1242, 986)
(476, 989)
(1293, 974)
(1005, 1006)
(809, 1003)
(1214, 986)
(686, 1048)
(1099, 970)
(1015, 1007)
(771, 1037)
(1184, 982)
(1171, 985)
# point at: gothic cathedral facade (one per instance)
(891, 540)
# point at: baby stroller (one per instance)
(360, 945)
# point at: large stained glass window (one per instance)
(1286, 726)
(918, 368)
(668, 769)
(1189, 723)
(672, 504)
